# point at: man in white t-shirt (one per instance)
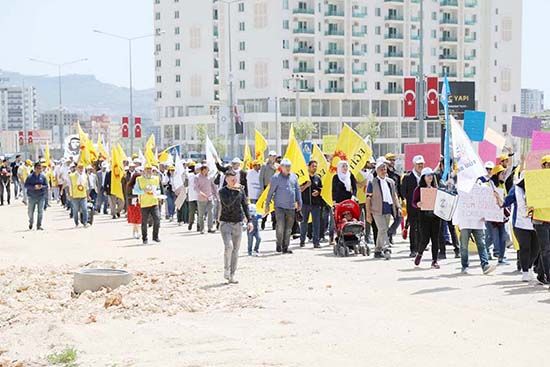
(192, 196)
(253, 182)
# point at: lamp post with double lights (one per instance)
(59, 67)
(130, 40)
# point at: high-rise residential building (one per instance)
(50, 119)
(343, 60)
(18, 108)
(532, 101)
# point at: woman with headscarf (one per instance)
(344, 184)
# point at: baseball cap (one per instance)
(236, 160)
(286, 162)
(503, 157)
(498, 168)
(489, 165)
(272, 153)
(427, 172)
(390, 156)
(418, 159)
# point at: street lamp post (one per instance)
(421, 85)
(59, 66)
(129, 39)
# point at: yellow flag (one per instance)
(85, 156)
(322, 164)
(47, 157)
(351, 148)
(260, 145)
(260, 204)
(117, 171)
(164, 155)
(92, 151)
(123, 155)
(101, 150)
(247, 157)
(149, 153)
(294, 154)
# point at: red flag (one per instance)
(21, 138)
(137, 127)
(125, 127)
(29, 136)
(432, 97)
(410, 97)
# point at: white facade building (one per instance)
(350, 55)
(532, 101)
(18, 108)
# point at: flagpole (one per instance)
(445, 100)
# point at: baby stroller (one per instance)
(350, 231)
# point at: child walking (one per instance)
(255, 233)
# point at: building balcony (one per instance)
(304, 70)
(415, 55)
(470, 3)
(393, 73)
(304, 11)
(359, 71)
(397, 18)
(448, 57)
(470, 21)
(415, 1)
(334, 32)
(449, 74)
(359, 13)
(469, 74)
(335, 71)
(335, 51)
(469, 57)
(394, 36)
(359, 89)
(415, 37)
(394, 1)
(450, 3)
(393, 91)
(358, 33)
(469, 39)
(358, 53)
(449, 21)
(334, 90)
(334, 13)
(394, 54)
(448, 39)
(303, 50)
(304, 30)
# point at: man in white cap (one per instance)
(266, 172)
(236, 165)
(285, 192)
(408, 185)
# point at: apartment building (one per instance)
(343, 60)
(18, 108)
(532, 101)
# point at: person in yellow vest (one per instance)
(78, 191)
(148, 188)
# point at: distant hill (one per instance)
(84, 94)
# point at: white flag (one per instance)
(211, 157)
(178, 173)
(469, 165)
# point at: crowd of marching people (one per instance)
(224, 199)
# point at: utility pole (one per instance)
(297, 89)
(421, 84)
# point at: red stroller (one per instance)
(350, 231)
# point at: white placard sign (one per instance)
(477, 206)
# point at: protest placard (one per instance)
(537, 189)
(487, 151)
(523, 127)
(474, 125)
(541, 140)
(495, 138)
(476, 206)
(430, 151)
(532, 161)
(427, 198)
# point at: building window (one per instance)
(178, 78)
(377, 68)
(176, 30)
(157, 1)
(195, 37)
(157, 16)
(377, 30)
(242, 46)
(157, 47)
(159, 94)
(196, 86)
(241, 26)
(285, 64)
(260, 75)
(241, 7)
(260, 14)
(159, 79)
(506, 79)
(177, 14)
(158, 63)
(434, 34)
(177, 46)
(242, 65)
(434, 15)
(286, 24)
(242, 84)
(178, 94)
(377, 85)
(377, 12)
(178, 62)
(285, 4)
(507, 29)
(286, 44)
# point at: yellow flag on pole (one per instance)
(260, 145)
(247, 156)
(260, 204)
(123, 155)
(294, 154)
(322, 163)
(149, 153)
(117, 171)
(101, 149)
(350, 147)
(47, 157)
(84, 157)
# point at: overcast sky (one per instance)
(61, 30)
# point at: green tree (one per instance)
(221, 145)
(369, 128)
(304, 129)
(202, 131)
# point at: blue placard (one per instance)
(307, 146)
(474, 125)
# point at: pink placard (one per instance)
(541, 140)
(431, 153)
(532, 161)
(487, 151)
(427, 198)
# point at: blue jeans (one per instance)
(489, 238)
(315, 211)
(480, 243)
(80, 206)
(102, 201)
(170, 203)
(254, 235)
(498, 235)
(38, 204)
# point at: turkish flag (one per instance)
(21, 138)
(409, 97)
(137, 127)
(125, 127)
(29, 136)
(432, 97)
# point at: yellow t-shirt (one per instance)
(23, 173)
(149, 186)
(361, 191)
(78, 191)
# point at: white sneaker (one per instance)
(226, 274)
(465, 271)
(525, 277)
(256, 253)
(232, 280)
